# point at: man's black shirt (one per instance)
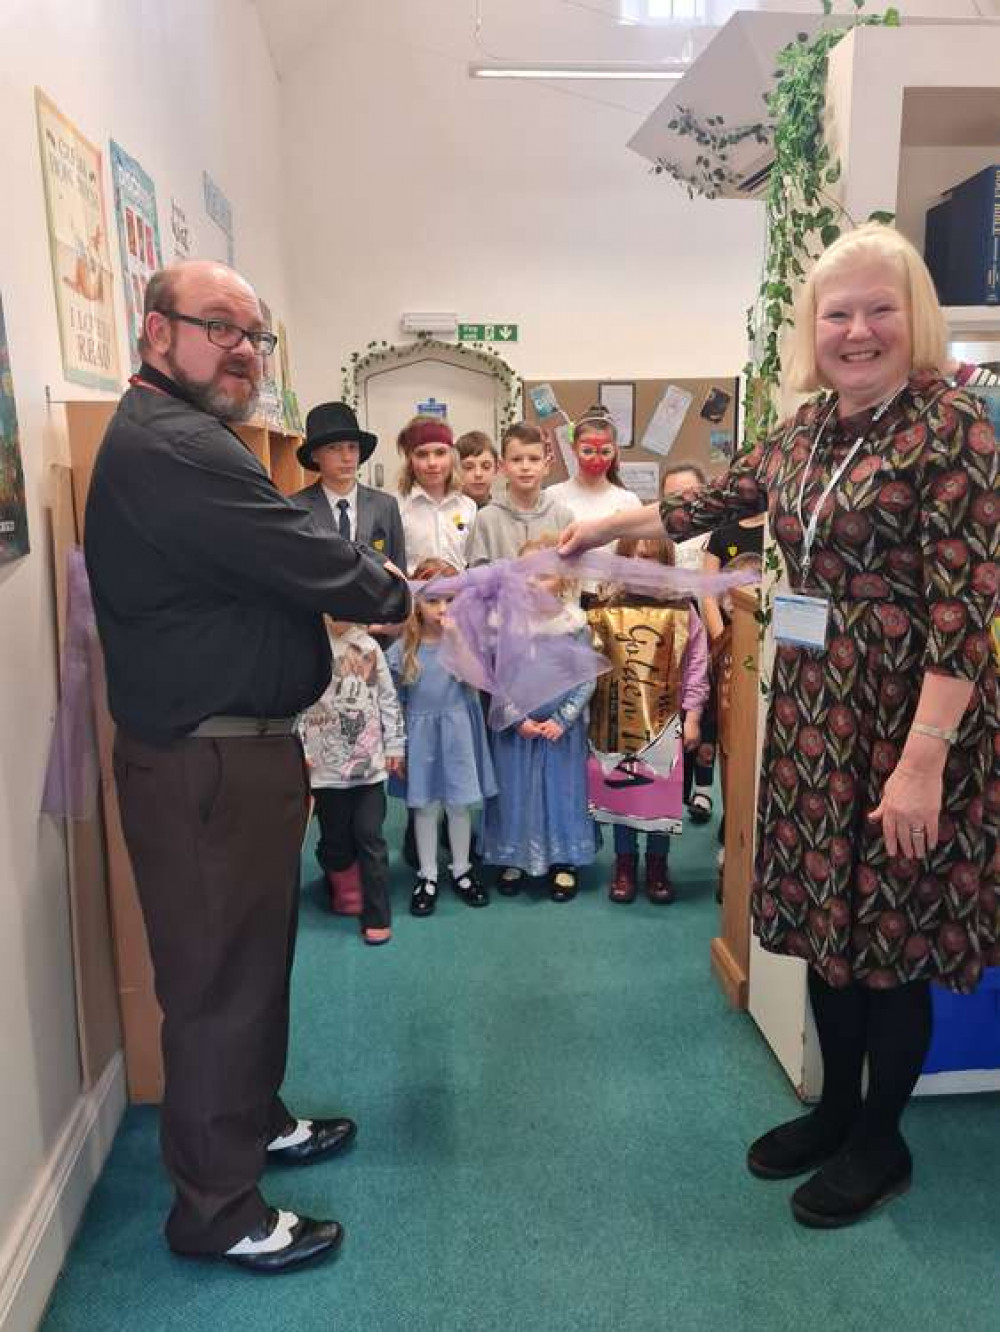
(209, 586)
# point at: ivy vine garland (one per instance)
(382, 352)
(803, 217)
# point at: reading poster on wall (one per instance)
(138, 237)
(78, 241)
(13, 511)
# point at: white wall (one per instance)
(182, 86)
(418, 188)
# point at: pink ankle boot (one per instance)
(346, 898)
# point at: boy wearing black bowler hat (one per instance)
(335, 446)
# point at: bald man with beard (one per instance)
(210, 589)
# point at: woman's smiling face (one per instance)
(864, 347)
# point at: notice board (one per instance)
(706, 434)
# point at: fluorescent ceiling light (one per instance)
(605, 70)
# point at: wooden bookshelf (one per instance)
(730, 950)
(286, 471)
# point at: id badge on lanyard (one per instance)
(799, 620)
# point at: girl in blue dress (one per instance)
(538, 822)
(448, 761)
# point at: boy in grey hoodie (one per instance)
(525, 511)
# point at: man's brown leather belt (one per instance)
(230, 728)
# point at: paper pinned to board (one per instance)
(666, 421)
(563, 436)
(642, 478)
(620, 402)
(543, 399)
(720, 447)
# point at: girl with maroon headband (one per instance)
(437, 517)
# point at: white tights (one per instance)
(425, 832)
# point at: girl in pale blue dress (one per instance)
(448, 762)
(538, 822)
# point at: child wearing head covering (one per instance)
(437, 517)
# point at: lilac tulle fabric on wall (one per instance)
(71, 777)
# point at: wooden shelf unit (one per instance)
(730, 950)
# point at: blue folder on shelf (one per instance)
(962, 241)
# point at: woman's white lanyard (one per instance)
(809, 529)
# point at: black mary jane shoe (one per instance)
(510, 882)
(795, 1148)
(562, 883)
(424, 898)
(847, 1189)
(326, 1136)
(470, 890)
(311, 1240)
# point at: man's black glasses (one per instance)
(228, 336)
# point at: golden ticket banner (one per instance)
(78, 241)
(633, 702)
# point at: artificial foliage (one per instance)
(480, 354)
(803, 216)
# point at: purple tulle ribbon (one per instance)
(510, 638)
(71, 777)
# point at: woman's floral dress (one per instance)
(908, 552)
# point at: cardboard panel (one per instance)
(140, 1012)
(98, 1025)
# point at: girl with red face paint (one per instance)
(596, 491)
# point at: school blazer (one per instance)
(379, 523)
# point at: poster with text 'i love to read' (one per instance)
(78, 241)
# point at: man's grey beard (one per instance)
(214, 401)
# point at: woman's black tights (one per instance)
(892, 1029)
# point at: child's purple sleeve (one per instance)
(694, 668)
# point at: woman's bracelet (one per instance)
(949, 734)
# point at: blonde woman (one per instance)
(879, 801)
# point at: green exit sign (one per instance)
(487, 332)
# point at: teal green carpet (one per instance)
(554, 1104)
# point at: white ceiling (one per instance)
(480, 30)
(538, 30)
